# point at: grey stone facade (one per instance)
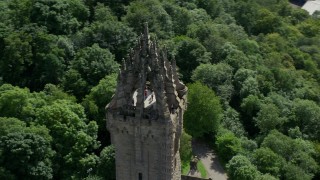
(145, 116)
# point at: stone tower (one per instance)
(145, 116)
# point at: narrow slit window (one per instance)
(140, 176)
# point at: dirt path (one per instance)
(209, 159)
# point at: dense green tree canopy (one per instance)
(94, 63)
(26, 155)
(25, 152)
(204, 112)
(106, 166)
(218, 77)
(297, 152)
(268, 162)
(58, 65)
(228, 145)
(59, 16)
(188, 53)
(94, 104)
(185, 148)
(240, 168)
(73, 138)
(231, 121)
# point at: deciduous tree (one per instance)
(204, 111)
(216, 76)
(240, 168)
(26, 155)
(228, 145)
(107, 165)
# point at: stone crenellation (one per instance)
(145, 116)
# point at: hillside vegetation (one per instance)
(252, 68)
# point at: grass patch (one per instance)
(202, 169)
(185, 168)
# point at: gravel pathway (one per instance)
(210, 160)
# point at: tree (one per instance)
(216, 76)
(213, 7)
(240, 168)
(293, 172)
(317, 157)
(74, 138)
(20, 103)
(266, 22)
(94, 104)
(53, 93)
(19, 12)
(25, 150)
(118, 7)
(199, 15)
(13, 100)
(248, 146)
(181, 17)
(93, 63)
(248, 46)
(249, 87)
(49, 61)
(204, 111)
(16, 57)
(185, 148)
(241, 75)
(114, 35)
(245, 12)
(231, 121)
(266, 80)
(250, 106)
(201, 31)
(309, 27)
(73, 83)
(283, 103)
(268, 162)
(26, 155)
(228, 145)
(31, 53)
(297, 152)
(237, 59)
(107, 165)
(268, 118)
(159, 21)
(278, 143)
(285, 79)
(103, 13)
(307, 114)
(267, 177)
(60, 16)
(12, 125)
(9, 125)
(214, 37)
(188, 53)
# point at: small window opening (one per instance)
(140, 176)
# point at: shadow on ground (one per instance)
(210, 161)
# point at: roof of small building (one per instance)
(311, 6)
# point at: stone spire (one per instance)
(145, 116)
(147, 66)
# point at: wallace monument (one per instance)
(145, 116)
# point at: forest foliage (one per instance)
(252, 67)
